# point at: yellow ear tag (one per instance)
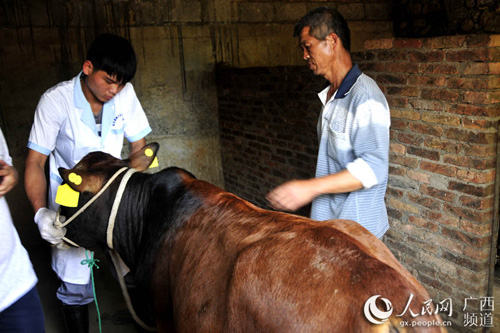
(149, 152)
(75, 179)
(154, 164)
(66, 196)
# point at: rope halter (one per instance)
(111, 222)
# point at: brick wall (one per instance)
(267, 127)
(442, 197)
(444, 95)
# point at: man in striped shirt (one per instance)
(353, 131)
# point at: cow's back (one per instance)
(235, 267)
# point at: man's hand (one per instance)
(45, 219)
(292, 195)
(8, 178)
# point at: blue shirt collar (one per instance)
(348, 81)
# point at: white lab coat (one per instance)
(65, 130)
(17, 276)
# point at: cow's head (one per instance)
(96, 168)
(88, 177)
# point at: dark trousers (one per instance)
(24, 316)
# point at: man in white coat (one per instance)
(92, 112)
(20, 307)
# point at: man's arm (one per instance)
(35, 182)
(294, 194)
(137, 145)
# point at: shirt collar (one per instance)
(87, 117)
(78, 96)
(345, 87)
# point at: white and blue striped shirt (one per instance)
(353, 130)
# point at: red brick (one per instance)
(422, 223)
(477, 41)
(408, 43)
(467, 161)
(475, 278)
(439, 69)
(494, 41)
(424, 153)
(396, 193)
(467, 83)
(446, 170)
(378, 44)
(443, 119)
(441, 218)
(427, 129)
(397, 148)
(437, 193)
(465, 262)
(478, 191)
(477, 253)
(373, 67)
(392, 78)
(480, 151)
(403, 160)
(405, 114)
(394, 214)
(420, 56)
(398, 124)
(475, 203)
(479, 124)
(476, 177)
(444, 42)
(481, 97)
(493, 68)
(393, 55)
(440, 94)
(403, 67)
(493, 55)
(410, 138)
(397, 171)
(467, 214)
(433, 81)
(494, 81)
(474, 55)
(475, 68)
(427, 202)
(442, 144)
(465, 238)
(397, 102)
(470, 136)
(420, 177)
(480, 229)
(403, 91)
(474, 110)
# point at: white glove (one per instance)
(45, 219)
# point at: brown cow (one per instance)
(213, 262)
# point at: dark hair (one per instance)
(114, 55)
(323, 21)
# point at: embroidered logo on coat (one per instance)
(118, 121)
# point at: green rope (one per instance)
(91, 263)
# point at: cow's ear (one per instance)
(81, 181)
(142, 159)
